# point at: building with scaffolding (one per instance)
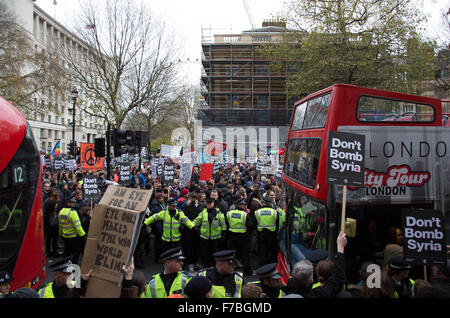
(239, 86)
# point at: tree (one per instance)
(370, 43)
(26, 72)
(127, 58)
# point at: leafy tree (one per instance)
(371, 43)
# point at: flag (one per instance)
(54, 2)
(57, 149)
(90, 26)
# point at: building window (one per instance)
(49, 118)
(49, 133)
(263, 101)
(63, 135)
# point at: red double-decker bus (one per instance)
(21, 216)
(407, 154)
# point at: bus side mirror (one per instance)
(350, 227)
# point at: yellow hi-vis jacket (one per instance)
(69, 224)
(171, 225)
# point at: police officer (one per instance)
(62, 271)
(239, 225)
(5, 284)
(269, 221)
(269, 280)
(227, 283)
(71, 230)
(398, 272)
(172, 220)
(212, 226)
(172, 281)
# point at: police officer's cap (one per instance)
(176, 252)
(317, 255)
(5, 277)
(268, 271)
(72, 199)
(171, 201)
(62, 265)
(399, 263)
(209, 200)
(226, 255)
(266, 199)
(239, 201)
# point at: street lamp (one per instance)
(74, 94)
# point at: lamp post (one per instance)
(74, 94)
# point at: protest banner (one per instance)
(345, 165)
(170, 151)
(57, 163)
(160, 168)
(206, 171)
(90, 187)
(113, 233)
(124, 174)
(87, 156)
(424, 236)
(169, 171)
(185, 173)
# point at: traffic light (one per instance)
(70, 149)
(78, 151)
(141, 138)
(130, 142)
(119, 140)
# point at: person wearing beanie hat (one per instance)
(198, 287)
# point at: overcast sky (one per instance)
(188, 17)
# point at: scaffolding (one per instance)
(238, 83)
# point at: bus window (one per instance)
(377, 109)
(299, 116)
(303, 160)
(312, 113)
(316, 114)
(307, 228)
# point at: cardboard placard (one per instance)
(424, 236)
(112, 238)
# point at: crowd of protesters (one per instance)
(235, 188)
